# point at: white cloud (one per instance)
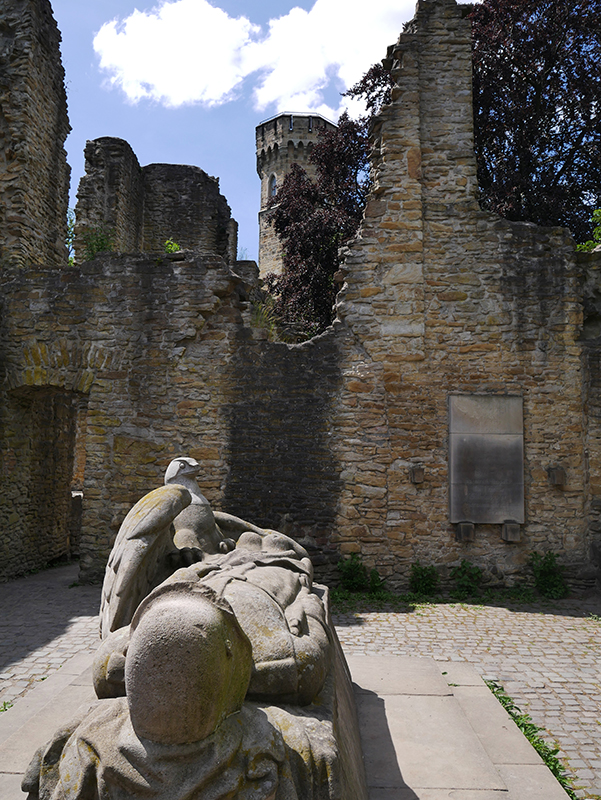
(188, 51)
(334, 42)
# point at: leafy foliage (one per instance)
(355, 578)
(423, 579)
(531, 732)
(587, 247)
(376, 583)
(537, 83)
(171, 247)
(467, 578)
(313, 219)
(374, 88)
(537, 119)
(70, 240)
(99, 239)
(353, 574)
(548, 575)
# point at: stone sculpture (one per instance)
(221, 678)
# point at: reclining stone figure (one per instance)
(223, 679)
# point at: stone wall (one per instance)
(142, 342)
(139, 209)
(34, 175)
(281, 142)
(444, 299)
(38, 426)
(112, 368)
(184, 203)
(110, 197)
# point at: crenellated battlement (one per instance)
(282, 141)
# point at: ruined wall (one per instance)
(443, 299)
(322, 439)
(282, 471)
(144, 347)
(34, 175)
(140, 208)
(591, 343)
(184, 203)
(37, 430)
(281, 142)
(110, 197)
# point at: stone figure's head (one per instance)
(188, 664)
(181, 467)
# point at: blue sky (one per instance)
(186, 82)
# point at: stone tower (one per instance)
(281, 141)
(34, 175)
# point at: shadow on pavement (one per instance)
(384, 777)
(37, 609)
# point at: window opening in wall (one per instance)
(273, 186)
(310, 124)
(486, 459)
(291, 123)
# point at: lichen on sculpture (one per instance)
(220, 678)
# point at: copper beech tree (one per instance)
(537, 110)
(537, 130)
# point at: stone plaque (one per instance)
(486, 459)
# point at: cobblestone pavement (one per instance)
(547, 659)
(44, 621)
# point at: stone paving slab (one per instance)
(547, 658)
(422, 740)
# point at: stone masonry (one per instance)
(140, 208)
(113, 367)
(34, 175)
(441, 298)
(280, 142)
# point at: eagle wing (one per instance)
(138, 555)
(231, 526)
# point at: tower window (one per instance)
(273, 186)
(291, 122)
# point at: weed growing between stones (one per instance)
(548, 575)
(467, 577)
(531, 732)
(5, 706)
(423, 580)
(171, 246)
(99, 239)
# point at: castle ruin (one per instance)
(282, 141)
(451, 411)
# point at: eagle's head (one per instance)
(181, 467)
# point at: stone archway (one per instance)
(43, 422)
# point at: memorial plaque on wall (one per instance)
(486, 459)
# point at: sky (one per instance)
(187, 81)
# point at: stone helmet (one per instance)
(188, 664)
